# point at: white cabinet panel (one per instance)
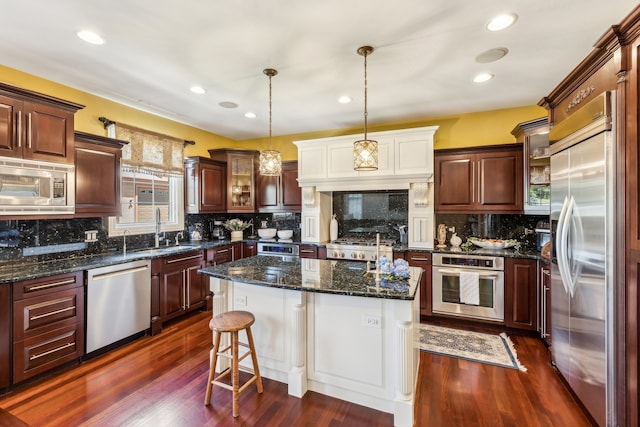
(312, 162)
(414, 154)
(341, 160)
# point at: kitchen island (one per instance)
(325, 326)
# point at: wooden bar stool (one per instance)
(232, 322)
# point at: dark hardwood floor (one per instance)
(160, 381)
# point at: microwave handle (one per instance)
(457, 273)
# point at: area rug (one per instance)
(495, 350)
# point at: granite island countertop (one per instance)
(314, 275)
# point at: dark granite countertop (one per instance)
(34, 267)
(507, 253)
(312, 275)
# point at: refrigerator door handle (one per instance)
(561, 243)
(564, 238)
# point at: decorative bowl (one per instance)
(492, 243)
(285, 234)
(267, 233)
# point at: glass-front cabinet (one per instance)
(241, 188)
(534, 136)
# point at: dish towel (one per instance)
(470, 287)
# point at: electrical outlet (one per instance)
(240, 300)
(91, 236)
(371, 321)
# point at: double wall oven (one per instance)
(468, 286)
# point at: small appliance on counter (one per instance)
(543, 233)
(195, 234)
(217, 230)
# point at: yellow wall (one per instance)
(461, 130)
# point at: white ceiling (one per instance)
(423, 63)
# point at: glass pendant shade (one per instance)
(365, 151)
(365, 155)
(270, 163)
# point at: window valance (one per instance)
(150, 152)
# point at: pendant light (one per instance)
(270, 160)
(365, 151)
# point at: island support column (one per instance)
(298, 373)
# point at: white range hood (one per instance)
(405, 162)
(404, 156)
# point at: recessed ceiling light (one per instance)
(492, 55)
(344, 100)
(90, 37)
(228, 104)
(197, 89)
(501, 22)
(483, 77)
(250, 115)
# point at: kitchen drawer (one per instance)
(47, 285)
(34, 316)
(43, 352)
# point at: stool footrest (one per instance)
(230, 387)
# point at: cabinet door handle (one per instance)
(187, 258)
(473, 183)
(184, 289)
(62, 347)
(51, 313)
(51, 285)
(19, 131)
(29, 127)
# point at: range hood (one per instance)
(404, 157)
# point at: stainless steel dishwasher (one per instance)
(118, 302)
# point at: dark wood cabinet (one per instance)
(34, 126)
(48, 324)
(97, 161)
(225, 253)
(249, 249)
(280, 193)
(5, 336)
(181, 288)
(479, 180)
(205, 185)
(308, 251)
(422, 259)
(240, 177)
(544, 302)
(520, 307)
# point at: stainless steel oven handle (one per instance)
(457, 273)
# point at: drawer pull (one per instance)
(51, 313)
(187, 258)
(307, 251)
(46, 353)
(419, 259)
(222, 251)
(51, 285)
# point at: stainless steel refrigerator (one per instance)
(582, 271)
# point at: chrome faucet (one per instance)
(178, 236)
(124, 242)
(157, 236)
(252, 235)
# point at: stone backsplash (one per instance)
(493, 226)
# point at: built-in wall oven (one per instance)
(468, 286)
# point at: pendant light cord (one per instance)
(270, 113)
(365, 95)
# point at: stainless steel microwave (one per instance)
(36, 188)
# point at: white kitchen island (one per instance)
(322, 326)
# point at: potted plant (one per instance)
(236, 226)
